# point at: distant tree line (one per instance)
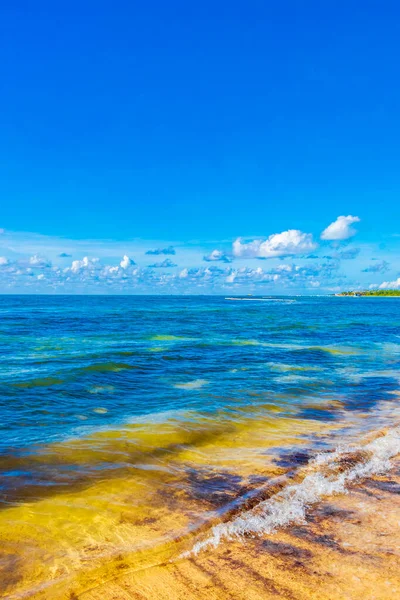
(371, 293)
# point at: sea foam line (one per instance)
(330, 474)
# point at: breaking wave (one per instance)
(325, 475)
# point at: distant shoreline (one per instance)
(371, 294)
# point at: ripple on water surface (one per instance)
(119, 440)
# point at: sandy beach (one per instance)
(348, 548)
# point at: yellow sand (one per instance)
(349, 548)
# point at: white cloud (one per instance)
(247, 276)
(340, 229)
(126, 262)
(39, 262)
(217, 255)
(390, 284)
(89, 274)
(114, 272)
(286, 243)
(80, 265)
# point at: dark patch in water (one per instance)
(332, 512)
(216, 489)
(250, 497)
(386, 486)
(313, 356)
(50, 473)
(318, 413)
(293, 459)
(106, 367)
(40, 382)
(255, 480)
(9, 571)
(367, 393)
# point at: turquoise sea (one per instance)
(112, 408)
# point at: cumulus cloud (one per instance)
(121, 275)
(286, 243)
(90, 274)
(379, 267)
(390, 285)
(163, 265)
(340, 229)
(39, 262)
(85, 263)
(249, 277)
(110, 270)
(217, 255)
(126, 262)
(285, 275)
(170, 250)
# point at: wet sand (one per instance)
(349, 548)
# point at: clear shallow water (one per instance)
(72, 365)
(127, 422)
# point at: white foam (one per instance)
(101, 389)
(289, 506)
(191, 385)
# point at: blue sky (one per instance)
(132, 126)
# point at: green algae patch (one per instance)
(171, 338)
(40, 382)
(106, 367)
(336, 351)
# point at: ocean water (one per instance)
(130, 423)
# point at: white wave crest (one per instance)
(330, 474)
